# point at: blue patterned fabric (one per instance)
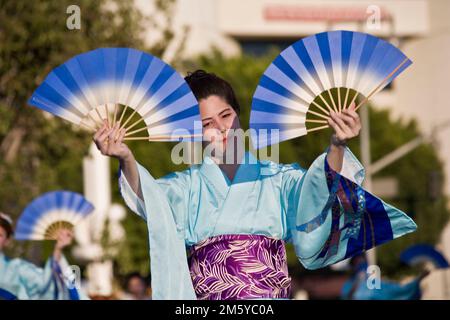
(356, 219)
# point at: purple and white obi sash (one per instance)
(239, 266)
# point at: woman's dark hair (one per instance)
(204, 84)
(6, 224)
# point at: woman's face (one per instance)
(219, 120)
(136, 286)
(3, 238)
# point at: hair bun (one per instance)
(199, 74)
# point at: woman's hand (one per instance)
(110, 143)
(63, 239)
(109, 140)
(346, 125)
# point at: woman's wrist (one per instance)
(126, 159)
(57, 252)
(336, 142)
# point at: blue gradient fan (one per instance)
(324, 72)
(122, 85)
(50, 212)
(423, 253)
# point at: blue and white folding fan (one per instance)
(50, 212)
(423, 253)
(95, 85)
(323, 72)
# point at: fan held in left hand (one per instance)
(122, 85)
(320, 73)
(51, 212)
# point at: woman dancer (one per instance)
(235, 216)
(21, 280)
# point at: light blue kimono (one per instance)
(326, 216)
(23, 280)
(20, 279)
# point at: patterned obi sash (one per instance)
(241, 266)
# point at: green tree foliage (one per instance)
(39, 153)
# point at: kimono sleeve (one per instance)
(132, 200)
(36, 283)
(164, 206)
(172, 187)
(330, 217)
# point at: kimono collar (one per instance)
(247, 171)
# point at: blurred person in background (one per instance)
(20, 279)
(136, 287)
(357, 287)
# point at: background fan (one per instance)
(52, 211)
(126, 86)
(422, 254)
(324, 72)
